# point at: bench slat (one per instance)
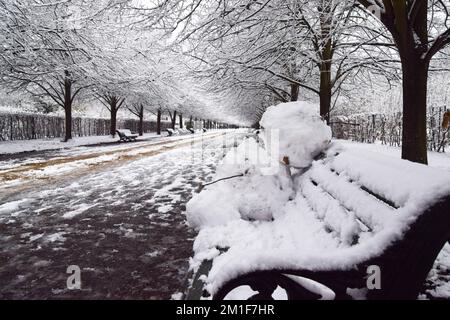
(366, 207)
(393, 179)
(364, 188)
(329, 210)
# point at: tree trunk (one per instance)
(158, 122)
(141, 125)
(113, 125)
(325, 92)
(68, 108)
(408, 24)
(181, 121)
(68, 122)
(414, 136)
(415, 80)
(174, 120)
(327, 12)
(141, 122)
(295, 89)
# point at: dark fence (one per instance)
(27, 126)
(387, 128)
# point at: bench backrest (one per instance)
(360, 194)
(393, 212)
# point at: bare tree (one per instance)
(113, 103)
(47, 48)
(288, 48)
(419, 29)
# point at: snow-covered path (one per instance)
(20, 172)
(117, 215)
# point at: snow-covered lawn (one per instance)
(435, 159)
(17, 146)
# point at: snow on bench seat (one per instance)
(349, 207)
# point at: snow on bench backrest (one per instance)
(357, 195)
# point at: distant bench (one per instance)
(371, 193)
(174, 132)
(126, 135)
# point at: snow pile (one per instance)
(250, 195)
(302, 132)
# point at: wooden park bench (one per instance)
(397, 230)
(126, 135)
(171, 132)
(188, 131)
